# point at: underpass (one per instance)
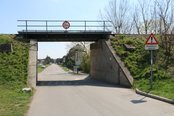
(105, 65)
(63, 93)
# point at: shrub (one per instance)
(85, 64)
(13, 65)
(138, 61)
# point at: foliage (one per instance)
(84, 57)
(13, 102)
(138, 63)
(85, 65)
(40, 68)
(64, 68)
(69, 63)
(6, 38)
(144, 17)
(69, 59)
(48, 60)
(59, 60)
(13, 65)
(13, 77)
(161, 87)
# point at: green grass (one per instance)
(13, 102)
(13, 65)
(40, 68)
(13, 77)
(138, 63)
(164, 88)
(64, 68)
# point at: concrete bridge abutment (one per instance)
(107, 66)
(32, 66)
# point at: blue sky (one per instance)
(13, 10)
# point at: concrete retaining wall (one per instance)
(107, 66)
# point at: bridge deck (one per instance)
(59, 30)
(43, 36)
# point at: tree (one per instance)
(136, 20)
(148, 16)
(85, 46)
(165, 12)
(85, 65)
(145, 13)
(59, 60)
(83, 49)
(48, 60)
(70, 57)
(117, 13)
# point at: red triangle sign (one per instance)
(151, 39)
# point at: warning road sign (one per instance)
(151, 39)
(151, 43)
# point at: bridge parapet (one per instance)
(55, 30)
(57, 25)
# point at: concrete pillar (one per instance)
(32, 71)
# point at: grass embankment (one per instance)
(13, 77)
(138, 63)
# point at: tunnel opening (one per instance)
(63, 63)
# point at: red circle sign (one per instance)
(66, 24)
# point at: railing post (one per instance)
(46, 26)
(104, 25)
(85, 26)
(26, 25)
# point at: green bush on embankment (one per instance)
(13, 77)
(138, 62)
(13, 65)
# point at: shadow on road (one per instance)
(87, 81)
(139, 101)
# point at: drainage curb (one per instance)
(154, 96)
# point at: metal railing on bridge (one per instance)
(62, 25)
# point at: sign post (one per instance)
(77, 61)
(151, 45)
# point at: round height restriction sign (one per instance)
(66, 24)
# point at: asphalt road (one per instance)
(65, 94)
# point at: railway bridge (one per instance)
(105, 64)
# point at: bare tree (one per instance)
(148, 16)
(128, 26)
(155, 16)
(165, 12)
(165, 16)
(136, 20)
(116, 12)
(145, 12)
(85, 45)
